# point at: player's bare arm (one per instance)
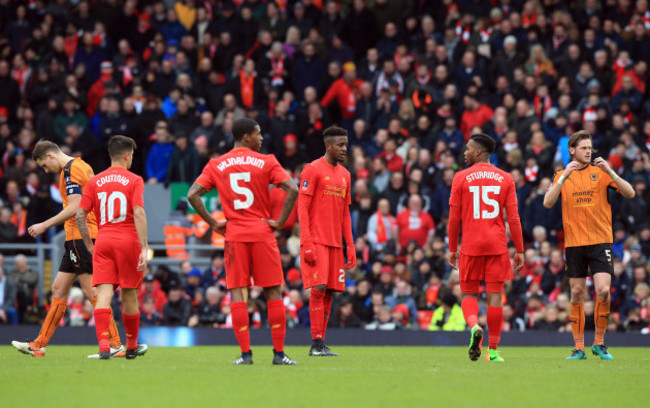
(82, 225)
(194, 197)
(68, 212)
(624, 187)
(551, 196)
(140, 220)
(453, 230)
(289, 186)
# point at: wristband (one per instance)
(561, 180)
(613, 175)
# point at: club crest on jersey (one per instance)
(327, 178)
(594, 176)
(305, 184)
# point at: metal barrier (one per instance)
(200, 256)
(36, 261)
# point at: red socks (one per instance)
(239, 312)
(327, 307)
(470, 310)
(102, 320)
(495, 322)
(316, 307)
(278, 323)
(132, 326)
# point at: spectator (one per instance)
(476, 114)
(8, 313)
(448, 316)
(402, 296)
(158, 160)
(344, 317)
(178, 309)
(210, 311)
(346, 91)
(25, 280)
(8, 231)
(414, 224)
(151, 290)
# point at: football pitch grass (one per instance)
(360, 377)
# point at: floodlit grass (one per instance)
(361, 377)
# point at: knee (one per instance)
(602, 293)
(59, 290)
(577, 294)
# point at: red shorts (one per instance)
(493, 269)
(117, 263)
(259, 260)
(328, 269)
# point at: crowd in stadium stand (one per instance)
(410, 81)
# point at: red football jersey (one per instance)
(330, 188)
(111, 195)
(242, 177)
(482, 192)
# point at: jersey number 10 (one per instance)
(115, 197)
(481, 193)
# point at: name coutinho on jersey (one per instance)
(247, 160)
(113, 178)
(490, 175)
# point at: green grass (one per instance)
(361, 377)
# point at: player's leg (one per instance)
(60, 289)
(103, 318)
(84, 270)
(577, 271)
(577, 317)
(602, 283)
(498, 269)
(267, 273)
(117, 350)
(335, 283)
(278, 321)
(131, 316)
(471, 271)
(238, 262)
(494, 319)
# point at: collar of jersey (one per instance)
(325, 161)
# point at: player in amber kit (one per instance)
(479, 196)
(76, 261)
(324, 215)
(587, 221)
(242, 178)
(115, 198)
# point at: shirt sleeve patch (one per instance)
(305, 185)
(72, 188)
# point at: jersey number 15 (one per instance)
(481, 193)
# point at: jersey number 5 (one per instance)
(115, 197)
(481, 193)
(246, 192)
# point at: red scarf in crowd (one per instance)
(277, 68)
(382, 234)
(246, 89)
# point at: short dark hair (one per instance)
(334, 131)
(485, 141)
(243, 127)
(118, 145)
(42, 148)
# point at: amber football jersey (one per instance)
(586, 213)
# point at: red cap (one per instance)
(290, 137)
(4, 111)
(293, 275)
(363, 174)
(145, 17)
(387, 269)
